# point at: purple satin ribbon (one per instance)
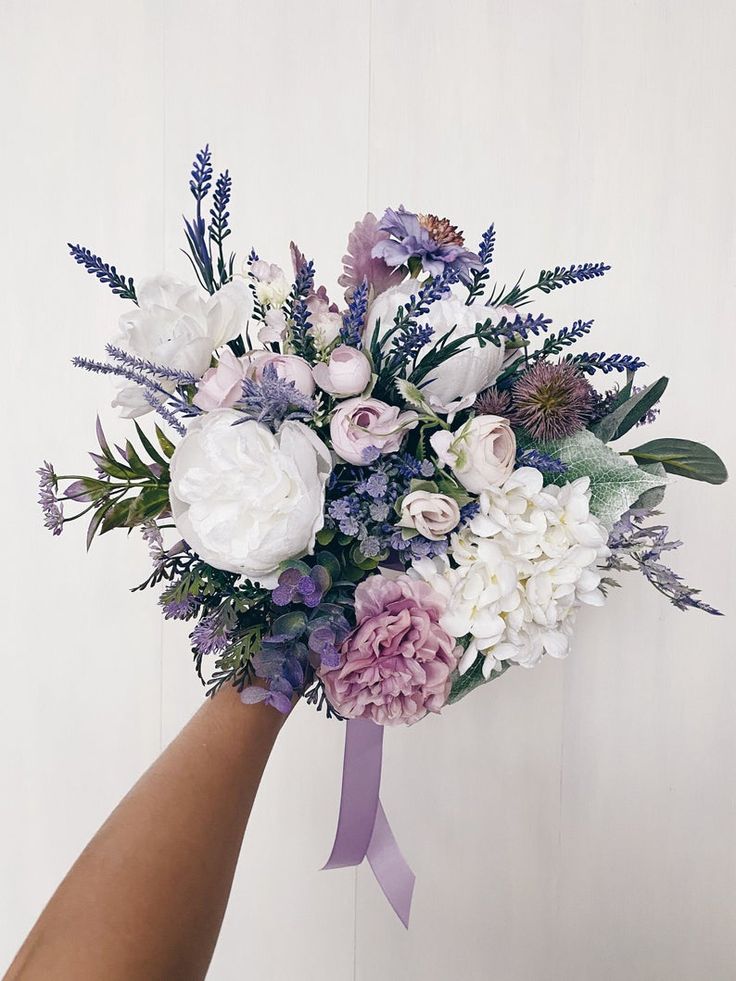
(363, 830)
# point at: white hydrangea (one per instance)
(516, 574)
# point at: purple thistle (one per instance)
(273, 399)
(50, 505)
(552, 400)
(493, 402)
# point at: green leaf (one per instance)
(135, 461)
(165, 443)
(652, 498)
(117, 470)
(614, 483)
(117, 516)
(463, 684)
(325, 535)
(150, 503)
(684, 458)
(629, 412)
(149, 447)
(95, 522)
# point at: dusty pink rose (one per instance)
(481, 453)
(396, 665)
(220, 387)
(346, 373)
(288, 366)
(363, 428)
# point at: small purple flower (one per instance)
(50, 505)
(180, 608)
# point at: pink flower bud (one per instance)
(346, 373)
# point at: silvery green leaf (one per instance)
(652, 498)
(614, 483)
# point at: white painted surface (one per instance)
(571, 823)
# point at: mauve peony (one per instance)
(481, 453)
(346, 373)
(221, 386)
(396, 666)
(362, 428)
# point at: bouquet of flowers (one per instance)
(381, 503)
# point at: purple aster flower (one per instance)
(552, 400)
(432, 240)
(377, 485)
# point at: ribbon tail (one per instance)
(390, 868)
(361, 782)
(363, 830)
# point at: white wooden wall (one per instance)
(572, 823)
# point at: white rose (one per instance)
(176, 326)
(245, 499)
(433, 515)
(481, 453)
(470, 370)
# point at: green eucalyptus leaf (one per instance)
(291, 624)
(614, 483)
(325, 536)
(684, 458)
(626, 415)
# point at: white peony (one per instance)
(470, 370)
(176, 326)
(244, 499)
(518, 572)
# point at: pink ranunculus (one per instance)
(289, 367)
(346, 373)
(221, 386)
(396, 665)
(362, 428)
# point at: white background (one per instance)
(571, 823)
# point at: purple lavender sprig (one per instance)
(606, 363)
(167, 404)
(142, 364)
(353, 321)
(95, 266)
(540, 461)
